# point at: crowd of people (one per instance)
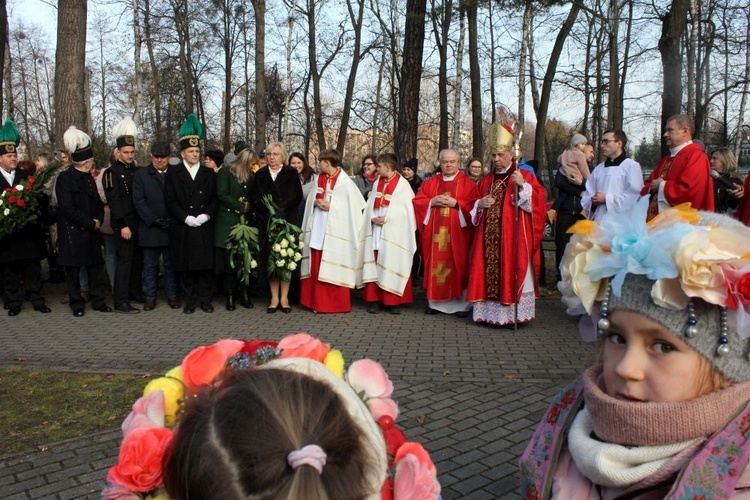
(474, 237)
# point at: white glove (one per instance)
(191, 221)
(201, 219)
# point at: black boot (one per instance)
(245, 298)
(230, 301)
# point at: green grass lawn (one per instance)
(41, 407)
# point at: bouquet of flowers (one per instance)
(243, 249)
(284, 243)
(19, 205)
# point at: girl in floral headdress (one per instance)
(665, 414)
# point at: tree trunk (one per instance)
(477, 128)
(587, 72)
(289, 84)
(260, 74)
(614, 111)
(411, 78)
(540, 140)
(356, 20)
(3, 45)
(138, 38)
(673, 26)
(315, 75)
(493, 95)
(458, 92)
(226, 127)
(692, 51)
(182, 26)
(441, 22)
(745, 92)
(528, 16)
(70, 68)
(155, 74)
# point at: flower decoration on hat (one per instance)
(687, 255)
(191, 132)
(78, 144)
(148, 429)
(9, 138)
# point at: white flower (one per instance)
(283, 252)
(301, 244)
(284, 243)
(277, 248)
(253, 264)
(291, 266)
(19, 187)
(290, 238)
(1, 203)
(297, 257)
(6, 211)
(279, 263)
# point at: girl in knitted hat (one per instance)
(573, 162)
(665, 414)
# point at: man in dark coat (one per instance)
(118, 183)
(80, 214)
(153, 228)
(190, 191)
(21, 251)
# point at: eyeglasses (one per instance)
(607, 141)
(368, 164)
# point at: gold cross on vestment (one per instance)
(441, 273)
(442, 238)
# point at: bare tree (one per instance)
(411, 78)
(441, 15)
(355, 18)
(745, 92)
(70, 67)
(673, 27)
(476, 80)
(458, 92)
(261, 110)
(3, 45)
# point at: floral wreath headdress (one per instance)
(687, 269)
(404, 470)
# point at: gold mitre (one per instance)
(501, 137)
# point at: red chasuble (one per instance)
(444, 243)
(492, 254)
(688, 180)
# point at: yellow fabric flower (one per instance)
(334, 361)
(175, 373)
(174, 392)
(576, 282)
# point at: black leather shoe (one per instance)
(462, 314)
(230, 301)
(373, 309)
(272, 310)
(139, 298)
(13, 311)
(127, 309)
(207, 308)
(174, 303)
(394, 310)
(42, 309)
(104, 308)
(188, 309)
(78, 313)
(245, 298)
(286, 310)
(150, 305)
(430, 311)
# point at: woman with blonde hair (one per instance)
(281, 182)
(724, 163)
(233, 192)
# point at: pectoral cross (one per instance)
(441, 273)
(443, 238)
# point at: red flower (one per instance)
(250, 347)
(8, 190)
(12, 199)
(138, 467)
(204, 364)
(20, 203)
(31, 180)
(394, 438)
(743, 288)
(14, 190)
(386, 492)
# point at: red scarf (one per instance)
(323, 181)
(385, 190)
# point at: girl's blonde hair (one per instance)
(729, 161)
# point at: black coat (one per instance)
(723, 201)
(151, 204)
(27, 243)
(286, 191)
(569, 195)
(191, 248)
(78, 204)
(118, 184)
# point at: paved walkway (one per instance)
(471, 394)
